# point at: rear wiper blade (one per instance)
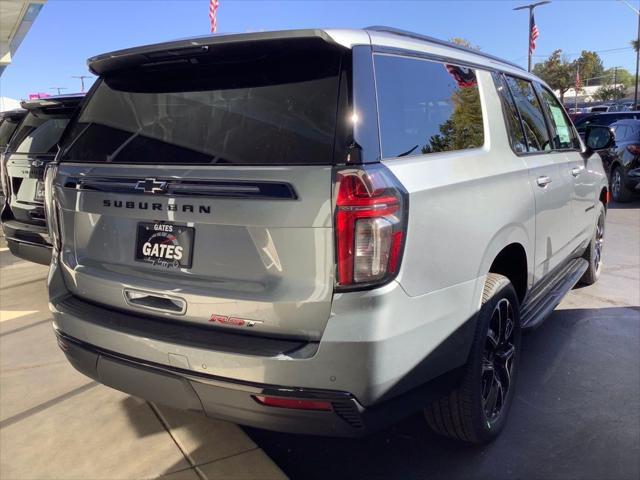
(404, 154)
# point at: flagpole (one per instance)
(575, 87)
(530, 7)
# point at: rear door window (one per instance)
(512, 117)
(277, 108)
(531, 114)
(564, 137)
(426, 106)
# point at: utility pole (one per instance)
(637, 12)
(530, 7)
(81, 77)
(59, 89)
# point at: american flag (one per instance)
(533, 35)
(213, 10)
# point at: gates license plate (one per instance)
(165, 244)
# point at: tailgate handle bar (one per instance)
(155, 301)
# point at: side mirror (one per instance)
(597, 137)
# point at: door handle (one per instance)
(543, 181)
(576, 171)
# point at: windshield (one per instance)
(274, 109)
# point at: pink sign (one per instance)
(35, 96)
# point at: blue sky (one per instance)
(67, 32)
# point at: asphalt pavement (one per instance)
(576, 414)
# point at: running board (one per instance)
(541, 302)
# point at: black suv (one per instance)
(32, 146)
(602, 118)
(9, 121)
(622, 160)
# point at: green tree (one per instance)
(557, 72)
(591, 67)
(620, 76)
(609, 92)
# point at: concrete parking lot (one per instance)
(577, 412)
(56, 423)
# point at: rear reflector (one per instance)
(292, 403)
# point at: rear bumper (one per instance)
(381, 363)
(235, 401)
(29, 242)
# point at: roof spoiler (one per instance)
(177, 51)
(55, 101)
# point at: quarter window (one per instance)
(564, 137)
(531, 114)
(426, 106)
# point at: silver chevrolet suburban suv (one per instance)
(318, 231)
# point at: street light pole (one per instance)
(530, 7)
(635, 94)
(81, 77)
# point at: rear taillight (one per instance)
(634, 149)
(370, 225)
(50, 205)
(4, 184)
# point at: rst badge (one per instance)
(234, 321)
(165, 244)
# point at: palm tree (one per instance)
(634, 44)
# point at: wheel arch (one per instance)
(510, 254)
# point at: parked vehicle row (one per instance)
(318, 231)
(32, 146)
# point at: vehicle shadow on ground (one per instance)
(576, 415)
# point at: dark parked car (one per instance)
(622, 160)
(32, 146)
(602, 118)
(9, 121)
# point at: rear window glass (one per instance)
(426, 106)
(273, 109)
(40, 131)
(7, 127)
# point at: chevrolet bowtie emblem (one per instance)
(151, 185)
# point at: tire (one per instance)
(594, 251)
(619, 190)
(466, 414)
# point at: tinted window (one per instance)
(512, 118)
(564, 137)
(621, 132)
(271, 109)
(532, 117)
(39, 132)
(7, 128)
(43, 139)
(426, 106)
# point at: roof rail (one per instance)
(444, 43)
